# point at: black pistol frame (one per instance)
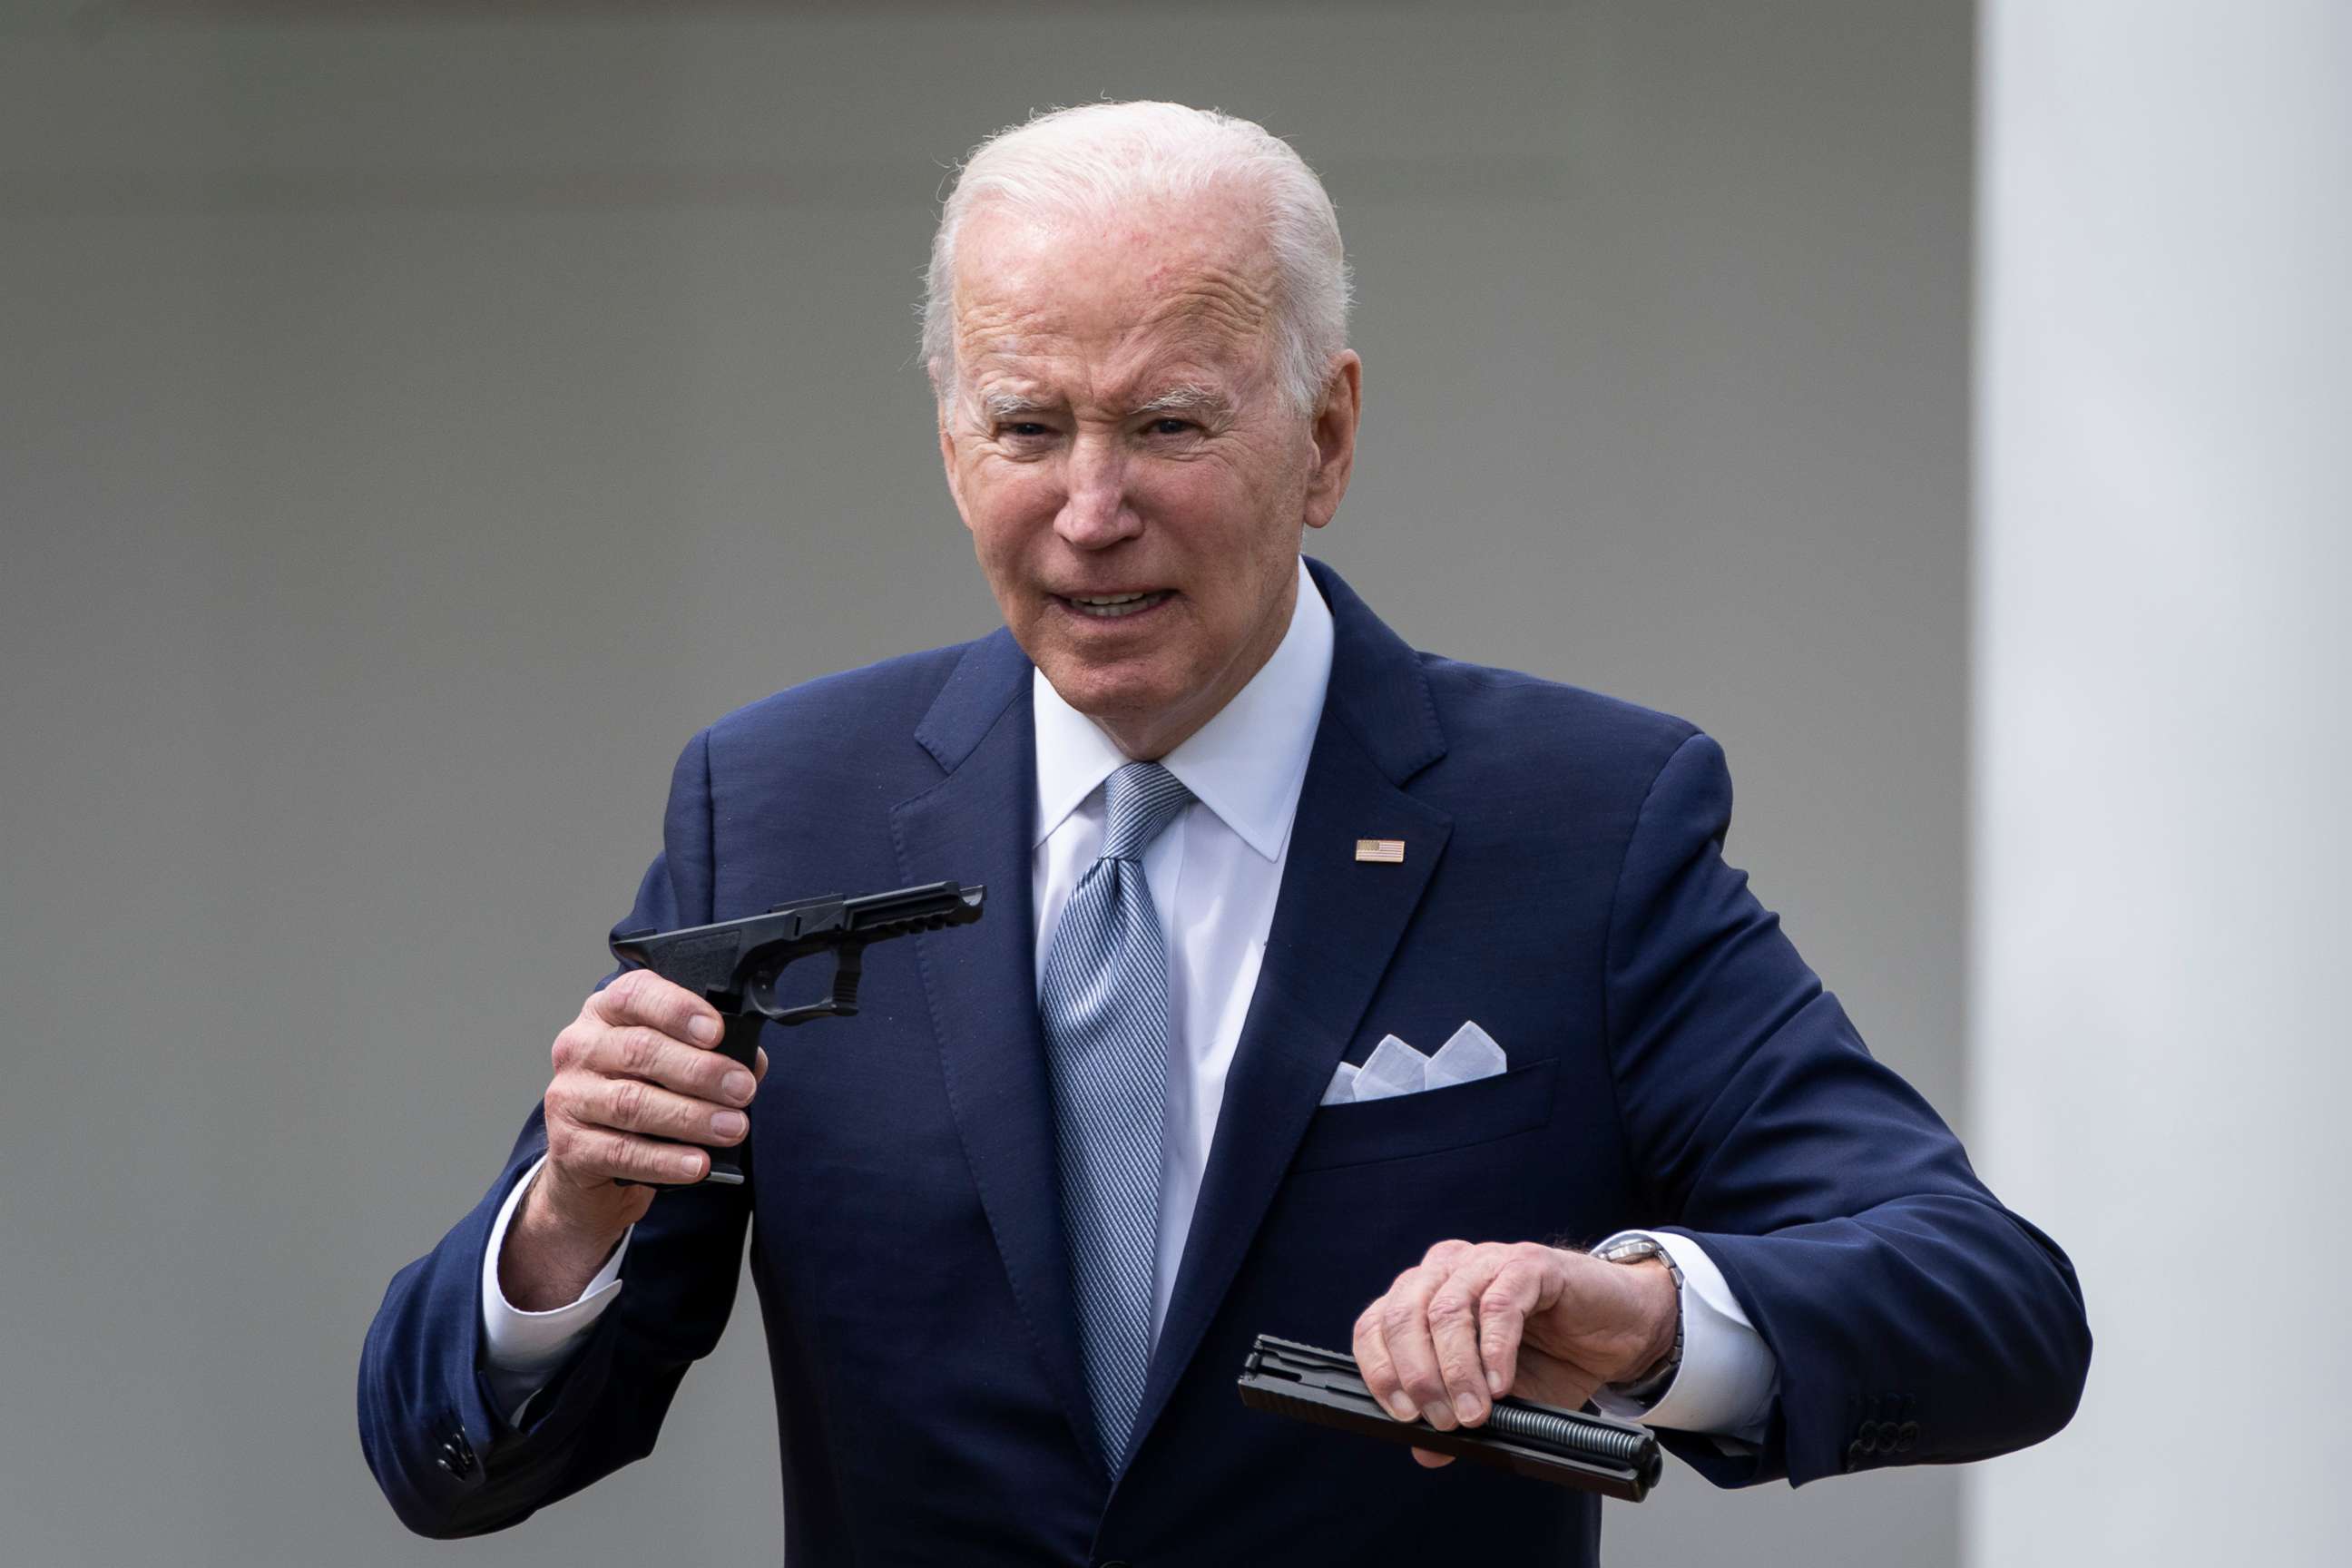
(734, 965)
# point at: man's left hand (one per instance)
(1475, 1321)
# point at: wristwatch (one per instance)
(1647, 1390)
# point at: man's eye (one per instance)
(1170, 425)
(1024, 429)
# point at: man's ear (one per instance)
(1334, 435)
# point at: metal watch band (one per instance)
(1646, 1390)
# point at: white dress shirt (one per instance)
(1214, 873)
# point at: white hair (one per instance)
(1077, 163)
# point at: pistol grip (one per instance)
(740, 1045)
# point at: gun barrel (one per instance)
(1566, 1448)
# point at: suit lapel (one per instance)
(1337, 922)
(974, 826)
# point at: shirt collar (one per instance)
(1245, 764)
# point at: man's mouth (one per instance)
(1115, 606)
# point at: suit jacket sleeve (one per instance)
(441, 1451)
(1913, 1317)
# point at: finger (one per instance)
(1444, 1254)
(1430, 1460)
(593, 1154)
(641, 996)
(640, 1052)
(760, 1063)
(633, 1105)
(1404, 1323)
(1515, 1291)
(1453, 1330)
(1372, 1364)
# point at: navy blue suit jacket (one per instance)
(1674, 1065)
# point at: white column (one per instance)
(2162, 997)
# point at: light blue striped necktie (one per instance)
(1103, 1006)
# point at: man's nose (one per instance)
(1096, 513)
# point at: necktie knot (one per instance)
(1138, 803)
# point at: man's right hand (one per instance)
(634, 1069)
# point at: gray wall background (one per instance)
(412, 428)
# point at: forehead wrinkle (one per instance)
(1019, 374)
(1219, 303)
(1001, 326)
(1184, 327)
(1186, 359)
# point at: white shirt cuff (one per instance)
(1729, 1374)
(522, 1352)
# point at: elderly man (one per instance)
(1014, 1226)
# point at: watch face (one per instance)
(1640, 1249)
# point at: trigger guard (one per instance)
(760, 997)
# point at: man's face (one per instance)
(1118, 445)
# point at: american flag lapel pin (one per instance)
(1380, 851)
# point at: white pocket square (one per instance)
(1395, 1068)
(1472, 1054)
